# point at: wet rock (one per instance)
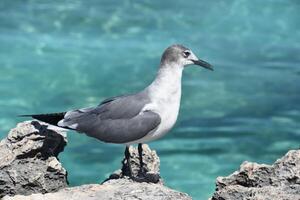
(259, 181)
(28, 160)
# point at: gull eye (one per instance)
(186, 54)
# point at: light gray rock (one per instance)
(117, 189)
(261, 182)
(30, 169)
(28, 160)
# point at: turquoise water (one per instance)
(59, 55)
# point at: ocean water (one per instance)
(60, 55)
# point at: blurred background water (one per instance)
(60, 55)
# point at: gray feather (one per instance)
(116, 120)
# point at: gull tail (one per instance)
(51, 118)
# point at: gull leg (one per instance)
(140, 150)
(143, 175)
(127, 157)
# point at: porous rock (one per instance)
(150, 166)
(117, 189)
(29, 170)
(28, 160)
(262, 182)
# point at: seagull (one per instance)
(134, 118)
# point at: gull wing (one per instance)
(115, 120)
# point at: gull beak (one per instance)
(204, 64)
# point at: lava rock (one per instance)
(28, 160)
(259, 181)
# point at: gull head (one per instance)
(179, 55)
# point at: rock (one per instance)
(260, 182)
(28, 160)
(150, 167)
(118, 189)
(29, 169)
(29, 166)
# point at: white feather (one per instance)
(165, 95)
(61, 123)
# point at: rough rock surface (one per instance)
(120, 189)
(28, 160)
(263, 182)
(151, 166)
(28, 166)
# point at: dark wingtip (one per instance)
(52, 118)
(24, 115)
